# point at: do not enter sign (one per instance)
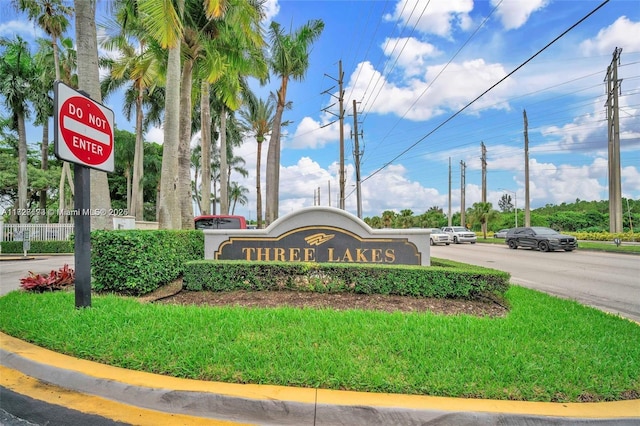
(84, 130)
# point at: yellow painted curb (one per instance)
(88, 404)
(612, 410)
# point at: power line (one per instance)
(488, 90)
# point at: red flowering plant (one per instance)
(55, 280)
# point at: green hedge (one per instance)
(135, 262)
(39, 247)
(450, 279)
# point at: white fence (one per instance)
(35, 231)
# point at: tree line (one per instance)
(580, 216)
(183, 65)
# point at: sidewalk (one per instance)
(141, 398)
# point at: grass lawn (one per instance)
(545, 349)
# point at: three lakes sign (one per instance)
(320, 234)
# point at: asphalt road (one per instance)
(607, 281)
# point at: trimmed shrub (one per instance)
(15, 247)
(135, 262)
(451, 279)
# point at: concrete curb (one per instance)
(281, 405)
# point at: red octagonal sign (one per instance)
(84, 130)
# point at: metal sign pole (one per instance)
(82, 231)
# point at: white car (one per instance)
(438, 237)
(460, 234)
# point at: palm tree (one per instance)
(196, 156)
(163, 21)
(205, 144)
(289, 59)
(224, 48)
(17, 76)
(152, 167)
(237, 194)
(236, 164)
(124, 157)
(241, 40)
(388, 218)
(482, 213)
(406, 218)
(89, 81)
(258, 121)
(43, 106)
(141, 67)
(52, 17)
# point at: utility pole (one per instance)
(356, 156)
(340, 116)
(484, 172)
(527, 211)
(462, 185)
(340, 103)
(615, 185)
(449, 215)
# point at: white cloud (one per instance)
(23, 28)
(154, 134)
(412, 54)
(399, 193)
(622, 33)
(515, 13)
(630, 181)
(271, 8)
(433, 17)
(555, 184)
(420, 100)
(310, 134)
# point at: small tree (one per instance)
(482, 213)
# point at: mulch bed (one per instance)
(173, 294)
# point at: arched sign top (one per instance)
(84, 129)
(320, 234)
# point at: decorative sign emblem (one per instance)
(317, 239)
(84, 130)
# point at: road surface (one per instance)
(607, 281)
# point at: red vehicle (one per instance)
(220, 222)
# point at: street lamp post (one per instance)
(515, 202)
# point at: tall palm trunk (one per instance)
(224, 164)
(66, 168)
(137, 203)
(127, 176)
(205, 131)
(273, 156)
(184, 151)
(169, 214)
(22, 167)
(89, 81)
(44, 165)
(260, 139)
(65, 175)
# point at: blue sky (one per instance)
(412, 66)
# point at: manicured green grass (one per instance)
(545, 349)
